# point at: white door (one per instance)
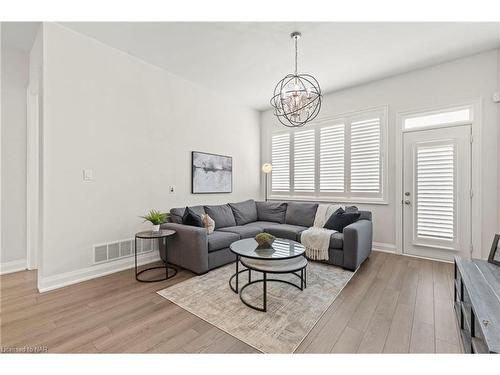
(437, 192)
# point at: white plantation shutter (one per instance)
(435, 191)
(280, 155)
(331, 162)
(365, 158)
(338, 158)
(303, 161)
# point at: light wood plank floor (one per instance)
(393, 304)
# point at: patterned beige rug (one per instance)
(291, 313)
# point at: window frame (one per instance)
(345, 197)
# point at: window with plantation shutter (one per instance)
(365, 156)
(338, 159)
(331, 158)
(435, 191)
(304, 161)
(280, 159)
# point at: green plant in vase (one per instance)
(264, 239)
(156, 218)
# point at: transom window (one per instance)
(337, 159)
(442, 117)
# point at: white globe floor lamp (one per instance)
(267, 168)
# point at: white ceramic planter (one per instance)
(156, 228)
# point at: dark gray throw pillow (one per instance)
(222, 215)
(176, 216)
(244, 212)
(271, 211)
(341, 219)
(191, 218)
(302, 214)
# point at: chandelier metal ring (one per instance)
(297, 97)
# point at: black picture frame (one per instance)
(193, 190)
(494, 256)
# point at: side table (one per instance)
(160, 235)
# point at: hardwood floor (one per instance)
(393, 304)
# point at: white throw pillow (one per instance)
(208, 223)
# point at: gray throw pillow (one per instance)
(192, 218)
(244, 212)
(222, 215)
(271, 211)
(302, 214)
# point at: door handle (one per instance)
(407, 202)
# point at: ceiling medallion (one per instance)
(297, 97)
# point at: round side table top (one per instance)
(150, 234)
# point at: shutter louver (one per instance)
(303, 161)
(280, 159)
(365, 156)
(331, 170)
(435, 192)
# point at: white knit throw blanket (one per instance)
(317, 239)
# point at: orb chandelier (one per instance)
(297, 97)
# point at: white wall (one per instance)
(15, 76)
(34, 160)
(468, 78)
(135, 125)
(498, 130)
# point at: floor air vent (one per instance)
(110, 251)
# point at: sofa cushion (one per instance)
(261, 224)
(271, 211)
(245, 231)
(301, 213)
(340, 219)
(176, 214)
(288, 231)
(191, 218)
(365, 215)
(337, 241)
(221, 240)
(244, 212)
(222, 215)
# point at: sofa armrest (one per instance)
(188, 247)
(357, 243)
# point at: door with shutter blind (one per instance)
(437, 192)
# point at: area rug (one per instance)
(291, 313)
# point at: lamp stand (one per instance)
(266, 186)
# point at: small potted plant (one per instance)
(265, 240)
(156, 218)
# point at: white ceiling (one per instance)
(245, 60)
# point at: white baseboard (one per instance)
(14, 266)
(64, 279)
(384, 247)
(390, 248)
(427, 258)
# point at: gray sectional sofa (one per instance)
(192, 248)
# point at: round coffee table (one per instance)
(283, 256)
(150, 235)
